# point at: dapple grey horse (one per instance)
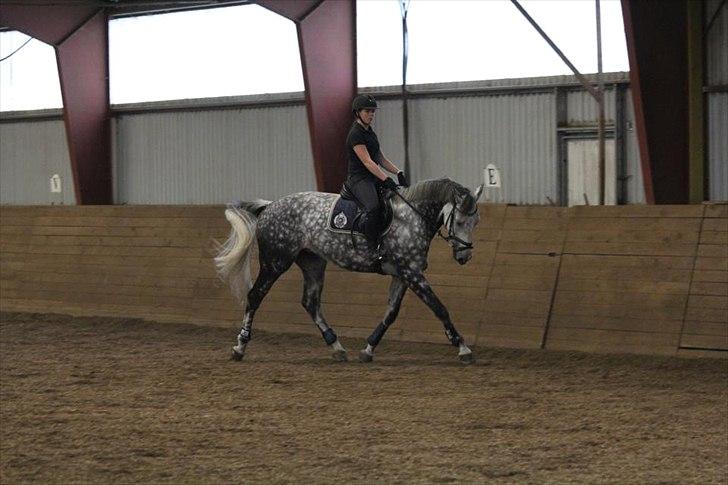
(294, 229)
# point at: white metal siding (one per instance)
(457, 137)
(717, 102)
(195, 153)
(196, 157)
(635, 181)
(31, 152)
(718, 146)
(716, 44)
(582, 108)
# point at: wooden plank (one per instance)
(105, 241)
(702, 354)
(518, 310)
(606, 337)
(137, 251)
(536, 212)
(124, 280)
(720, 225)
(637, 211)
(92, 259)
(708, 276)
(631, 249)
(547, 224)
(502, 317)
(713, 342)
(717, 209)
(627, 261)
(714, 237)
(519, 262)
(656, 311)
(702, 301)
(635, 225)
(536, 248)
(713, 251)
(75, 268)
(694, 327)
(525, 338)
(167, 232)
(612, 286)
(113, 211)
(709, 288)
(614, 235)
(218, 222)
(522, 282)
(697, 312)
(711, 264)
(598, 347)
(616, 323)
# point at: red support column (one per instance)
(657, 49)
(327, 41)
(83, 68)
(80, 37)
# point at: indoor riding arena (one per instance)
(595, 302)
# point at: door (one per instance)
(583, 172)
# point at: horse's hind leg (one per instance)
(269, 273)
(397, 290)
(314, 269)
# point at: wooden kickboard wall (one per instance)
(634, 279)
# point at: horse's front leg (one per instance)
(421, 287)
(397, 290)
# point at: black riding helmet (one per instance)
(363, 101)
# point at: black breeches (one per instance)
(367, 196)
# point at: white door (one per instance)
(583, 175)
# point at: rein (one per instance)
(464, 245)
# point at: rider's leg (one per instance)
(314, 269)
(366, 193)
(397, 290)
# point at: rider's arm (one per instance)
(389, 166)
(363, 154)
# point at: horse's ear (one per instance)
(478, 192)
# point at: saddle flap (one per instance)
(346, 214)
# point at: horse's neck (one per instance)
(431, 211)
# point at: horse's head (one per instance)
(460, 218)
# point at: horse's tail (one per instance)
(233, 256)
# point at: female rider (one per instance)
(366, 162)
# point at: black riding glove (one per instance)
(390, 184)
(402, 179)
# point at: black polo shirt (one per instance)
(358, 135)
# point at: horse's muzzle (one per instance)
(462, 256)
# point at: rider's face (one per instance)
(367, 115)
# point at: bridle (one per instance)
(463, 245)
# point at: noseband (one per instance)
(463, 245)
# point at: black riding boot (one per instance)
(372, 228)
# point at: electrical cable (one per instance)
(16, 50)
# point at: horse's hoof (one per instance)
(365, 357)
(340, 356)
(236, 356)
(466, 358)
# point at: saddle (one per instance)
(345, 215)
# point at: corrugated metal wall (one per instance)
(581, 108)
(716, 67)
(187, 152)
(31, 152)
(633, 173)
(458, 137)
(200, 157)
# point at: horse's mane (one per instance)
(439, 190)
